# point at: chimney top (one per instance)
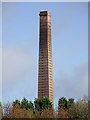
(44, 13)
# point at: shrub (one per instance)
(1, 111)
(63, 113)
(79, 110)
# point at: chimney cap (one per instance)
(44, 13)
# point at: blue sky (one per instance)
(20, 43)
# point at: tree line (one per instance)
(43, 108)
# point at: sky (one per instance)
(20, 49)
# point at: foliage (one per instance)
(70, 109)
(44, 113)
(11, 111)
(18, 112)
(38, 104)
(16, 102)
(25, 104)
(43, 108)
(46, 103)
(0, 104)
(85, 99)
(47, 113)
(63, 113)
(62, 102)
(70, 102)
(1, 110)
(43, 103)
(8, 110)
(30, 106)
(79, 110)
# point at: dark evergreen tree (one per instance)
(16, 102)
(24, 103)
(38, 104)
(30, 106)
(46, 103)
(70, 102)
(62, 102)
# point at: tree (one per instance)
(16, 102)
(1, 110)
(46, 103)
(47, 113)
(70, 102)
(62, 102)
(63, 113)
(8, 110)
(79, 110)
(43, 103)
(30, 106)
(24, 104)
(85, 99)
(38, 104)
(43, 108)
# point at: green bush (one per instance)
(79, 109)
